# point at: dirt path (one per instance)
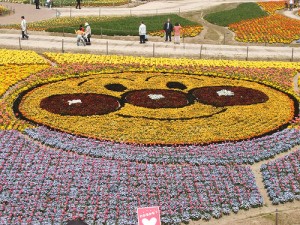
(211, 34)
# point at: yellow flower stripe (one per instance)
(11, 74)
(57, 22)
(19, 57)
(3, 10)
(92, 59)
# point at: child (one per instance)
(80, 34)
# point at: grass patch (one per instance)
(123, 26)
(243, 11)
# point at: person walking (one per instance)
(37, 4)
(177, 29)
(78, 4)
(142, 32)
(168, 28)
(24, 28)
(291, 2)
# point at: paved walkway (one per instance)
(31, 14)
(42, 41)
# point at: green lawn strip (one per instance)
(243, 11)
(122, 26)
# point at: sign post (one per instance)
(148, 216)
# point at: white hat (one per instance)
(86, 24)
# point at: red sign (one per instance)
(148, 216)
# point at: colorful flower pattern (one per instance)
(49, 176)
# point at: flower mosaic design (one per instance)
(182, 114)
(272, 6)
(275, 28)
(282, 178)
(52, 170)
(40, 184)
(243, 152)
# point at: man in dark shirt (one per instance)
(168, 28)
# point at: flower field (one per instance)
(4, 10)
(274, 28)
(69, 149)
(57, 22)
(281, 178)
(272, 6)
(186, 31)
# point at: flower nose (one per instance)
(157, 98)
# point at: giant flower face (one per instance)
(158, 108)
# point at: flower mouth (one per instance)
(173, 119)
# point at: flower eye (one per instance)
(115, 87)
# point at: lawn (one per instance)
(123, 26)
(243, 11)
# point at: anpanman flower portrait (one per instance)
(165, 108)
(94, 137)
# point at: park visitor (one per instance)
(24, 28)
(142, 32)
(177, 29)
(79, 36)
(168, 28)
(88, 33)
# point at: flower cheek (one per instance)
(87, 104)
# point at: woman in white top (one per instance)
(88, 32)
(24, 28)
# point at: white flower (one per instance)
(74, 101)
(156, 96)
(225, 93)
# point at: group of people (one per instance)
(84, 34)
(168, 29)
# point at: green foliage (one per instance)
(123, 26)
(243, 11)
